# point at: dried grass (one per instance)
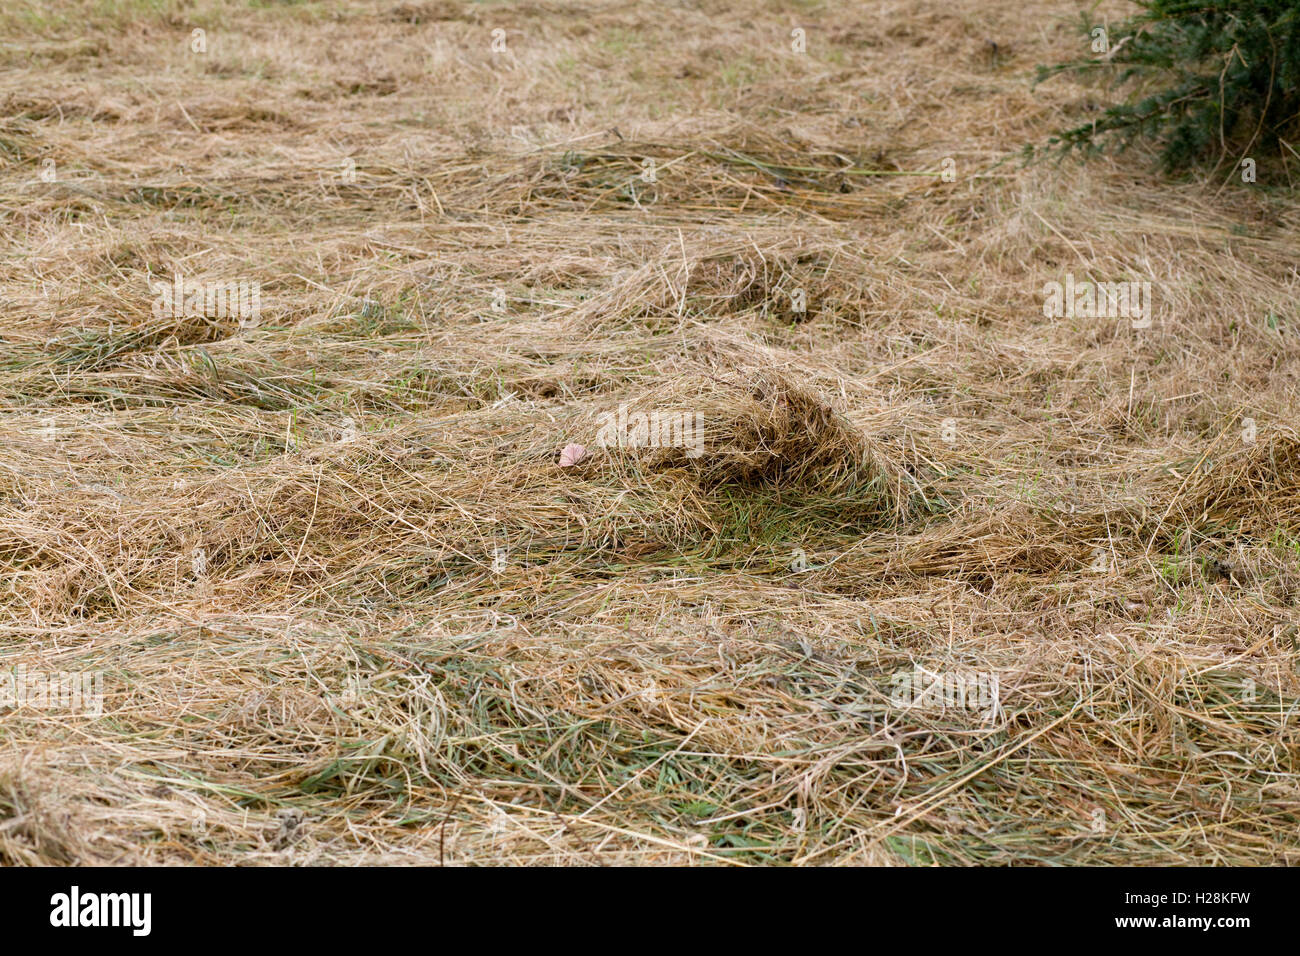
(349, 607)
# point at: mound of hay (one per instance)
(1253, 486)
(743, 425)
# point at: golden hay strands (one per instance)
(349, 608)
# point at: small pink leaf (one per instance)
(571, 455)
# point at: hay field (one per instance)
(348, 607)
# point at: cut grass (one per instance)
(350, 609)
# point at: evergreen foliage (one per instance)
(1207, 79)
